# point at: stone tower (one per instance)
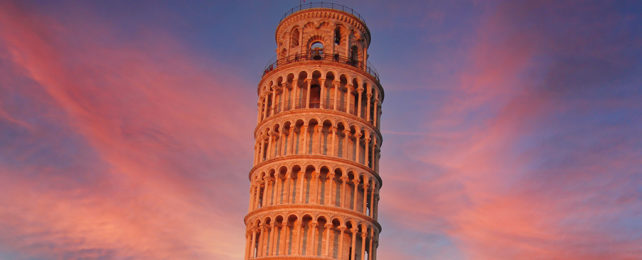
(315, 182)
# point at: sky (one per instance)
(512, 129)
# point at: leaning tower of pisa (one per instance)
(315, 181)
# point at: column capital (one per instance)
(343, 228)
(328, 225)
(360, 90)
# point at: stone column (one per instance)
(369, 95)
(313, 187)
(269, 148)
(258, 115)
(365, 59)
(247, 245)
(301, 176)
(272, 195)
(328, 230)
(359, 93)
(354, 242)
(342, 229)
(282, 139)
(357, 146)
(282, 97)
(322, 103)
(348, 97)
(376, 209)
(307, 96)
(336, 97)
(363, 243)
(319, 135)
(356, 193)
(264, 195)
(366, 156)
(376, 106)
(365, 197)
(344, 181)
(274, 230)
(370, 255)
(346, 138)
(253, 244)
(269, 250)
(257, 194)
(297, 246)
(296, 93)
(259, 250)
(328, 189)
(277, 189)
(313, 227)
(333, 131)
(261, 149)
(372, 195)
(273, 100)
(292, 143)
(374, 151)
(304, 130)
(265, 106)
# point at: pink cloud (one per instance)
(154, 117)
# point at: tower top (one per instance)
(325, 10)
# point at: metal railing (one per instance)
(329, 5)
(320, 56)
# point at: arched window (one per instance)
(316, 51)
(295, 38)
(354, 55)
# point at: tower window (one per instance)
(295, 38)
(337, 35)
(316, 51)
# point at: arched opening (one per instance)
(354, 55)
(316, 51)
(282, 177)
(315, 90)
(337, 187)
(293, 183)
(295, 38)
(309, 171)
(312, 138)
(337, 35)
(330, 91)
(289, 84)
(342, 137)
(323, 179)
(291, 225)
(326, 132)
(302, 89)
(306, 230)
(278, 229)
(343, 82)
(335, 238)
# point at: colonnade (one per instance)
(293, 235)
(311, 138)
(297, 185)
(358, 97)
